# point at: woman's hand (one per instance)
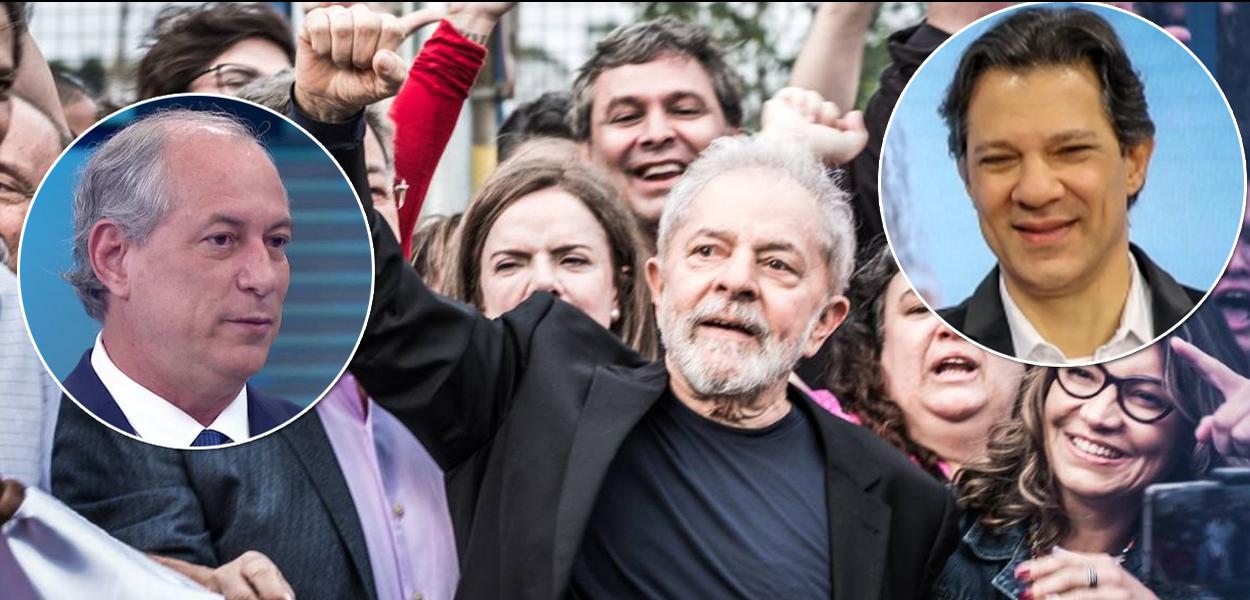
(1079, 576)
(1228, 429)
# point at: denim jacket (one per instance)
(983, 567)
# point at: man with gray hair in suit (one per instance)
(184, 263)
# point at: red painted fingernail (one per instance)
(1027, 594)
(1022, 573)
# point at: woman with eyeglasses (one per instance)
(1054, 510)
(217, 47)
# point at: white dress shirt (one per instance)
(1135, 330)
(154, 418)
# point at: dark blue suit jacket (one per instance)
(263, 412)
(283, 495)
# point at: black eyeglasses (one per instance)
(229, 77)
(1143, 399)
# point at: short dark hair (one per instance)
(184, 39)
(1042, 37)
(647, 41)
(542, 117)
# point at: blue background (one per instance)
(1187, 216)
(331, 263)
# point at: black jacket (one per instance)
(983, 318)
(526, 413)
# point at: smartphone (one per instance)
(1196, 536)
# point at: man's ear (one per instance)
(830, 318)
(1138, 160)
(961, 165)
(107, 248)
(655, 282)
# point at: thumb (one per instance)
(417, 19)
(389, 67)
(854, 122)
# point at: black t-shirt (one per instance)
(691, 508)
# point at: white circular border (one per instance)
(881, 196)
(365, 223)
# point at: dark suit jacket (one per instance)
(983, 318)
(282, 495)
(263, 412)
(527, 412)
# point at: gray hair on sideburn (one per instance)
(124, 181)
(738, 153)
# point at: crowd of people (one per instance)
(657, 355)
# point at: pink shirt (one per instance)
(829, 402)
(399, 495)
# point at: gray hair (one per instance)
(729, 154)
(124, 181)
(274, 92)
(644, 42)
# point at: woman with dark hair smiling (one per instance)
(1054, 510)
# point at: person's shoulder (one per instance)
(84, 385)
(1195, 295)
(266, 412)
(983, 553)
(82, 372)
(565, 332)
(955, 315)
(859, 450)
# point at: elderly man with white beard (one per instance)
(578, 469)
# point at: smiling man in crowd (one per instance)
(1050, 131)
(184, 262)
(647, 102)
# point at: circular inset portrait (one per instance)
(1062, 183)
(196, 271)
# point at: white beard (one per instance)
(737, 372)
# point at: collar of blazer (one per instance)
(985, 319)
(617, 400)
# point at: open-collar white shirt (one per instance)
(1135, 330)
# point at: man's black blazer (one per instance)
(982, 317)
(282, 495)
(526, 413)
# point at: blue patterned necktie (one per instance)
(209, 437)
